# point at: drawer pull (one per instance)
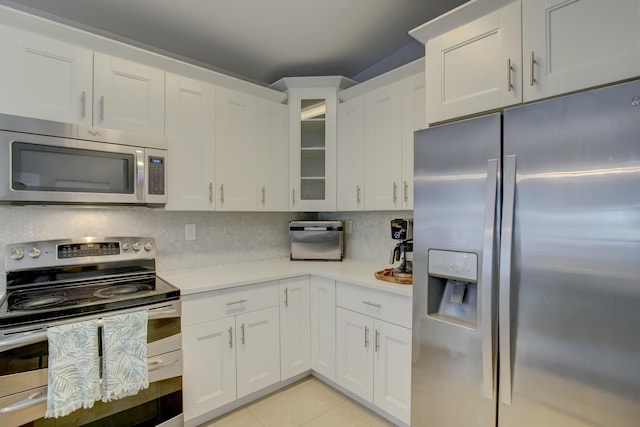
(230, 337)
(286, 297)
(240, 301)
(377, 341)
(242, 330)
(373, 304)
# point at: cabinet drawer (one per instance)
(213, 305)
(382, 305)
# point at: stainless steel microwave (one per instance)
(52, 162)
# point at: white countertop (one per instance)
(212, 278)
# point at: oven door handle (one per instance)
(22, 339)
(34, 399)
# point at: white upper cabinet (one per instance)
(383, 148)
(312, 167)
(413, 119)
(127, 96)
(273, 156)
(475, 67)
(44, 78)
(351, 164)
(236, 150)
(574, 44)
(190, 130)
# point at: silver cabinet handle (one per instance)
(242, 336)
(102, 108)
(532, 81)
(32, 400)
(221, 193)
(358, 194)
(293, 196)
(240, 301)
(406, 192)
(211, 192)
(504, 320)
(372, 304)
(366, 337)
(395, 192)
(377, 345)
(509, 72)
(286, 297)
(263, 195)
(230, 337)
(157, 363)
(486, 284)
(83, 107)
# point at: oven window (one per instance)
(61, 169)
(158, 329)
(161, 402)
(26, 358)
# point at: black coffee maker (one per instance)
(402, 229)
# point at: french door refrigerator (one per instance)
(527, 266)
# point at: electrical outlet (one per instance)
(348, 227)
(189, 232)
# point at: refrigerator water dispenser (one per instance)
(452, 287)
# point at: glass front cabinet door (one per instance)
(313, 148)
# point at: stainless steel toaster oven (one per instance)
(316, 240)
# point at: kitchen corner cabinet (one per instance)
(236, 150)
(44, 78)
(475, 67)
(383, 148)
(273, 156)
(323, 326)
(572, 45)
(413, 118)
(190, 130)
(312, 159)
(127, 96)
(231, 345)
(373, 347)
(351, 163)
(295, 340)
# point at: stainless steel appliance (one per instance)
(402, 229)
(316, 240)
(52, 162)
(526, 273)
(61, 281)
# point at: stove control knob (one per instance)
(35, 252)
(125, 246)
(137, 246)
(148, 246)
(17, 254)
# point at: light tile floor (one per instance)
(309, 403)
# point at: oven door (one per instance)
(24, 351)
(40, 168)
(158, 405)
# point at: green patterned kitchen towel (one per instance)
(124, 355)
(74, 374)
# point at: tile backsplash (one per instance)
(221, 237)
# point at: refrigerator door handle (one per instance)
(488, 348)
(509, 191)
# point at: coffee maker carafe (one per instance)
(402, 229)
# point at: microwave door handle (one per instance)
(22, 339)
(140, 176)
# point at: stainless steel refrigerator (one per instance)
(527, 266)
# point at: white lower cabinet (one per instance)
(323, 326)
(231, 345)
(295, 340)
(373, 356)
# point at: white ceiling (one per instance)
(259, 40)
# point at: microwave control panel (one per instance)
(156, 175)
